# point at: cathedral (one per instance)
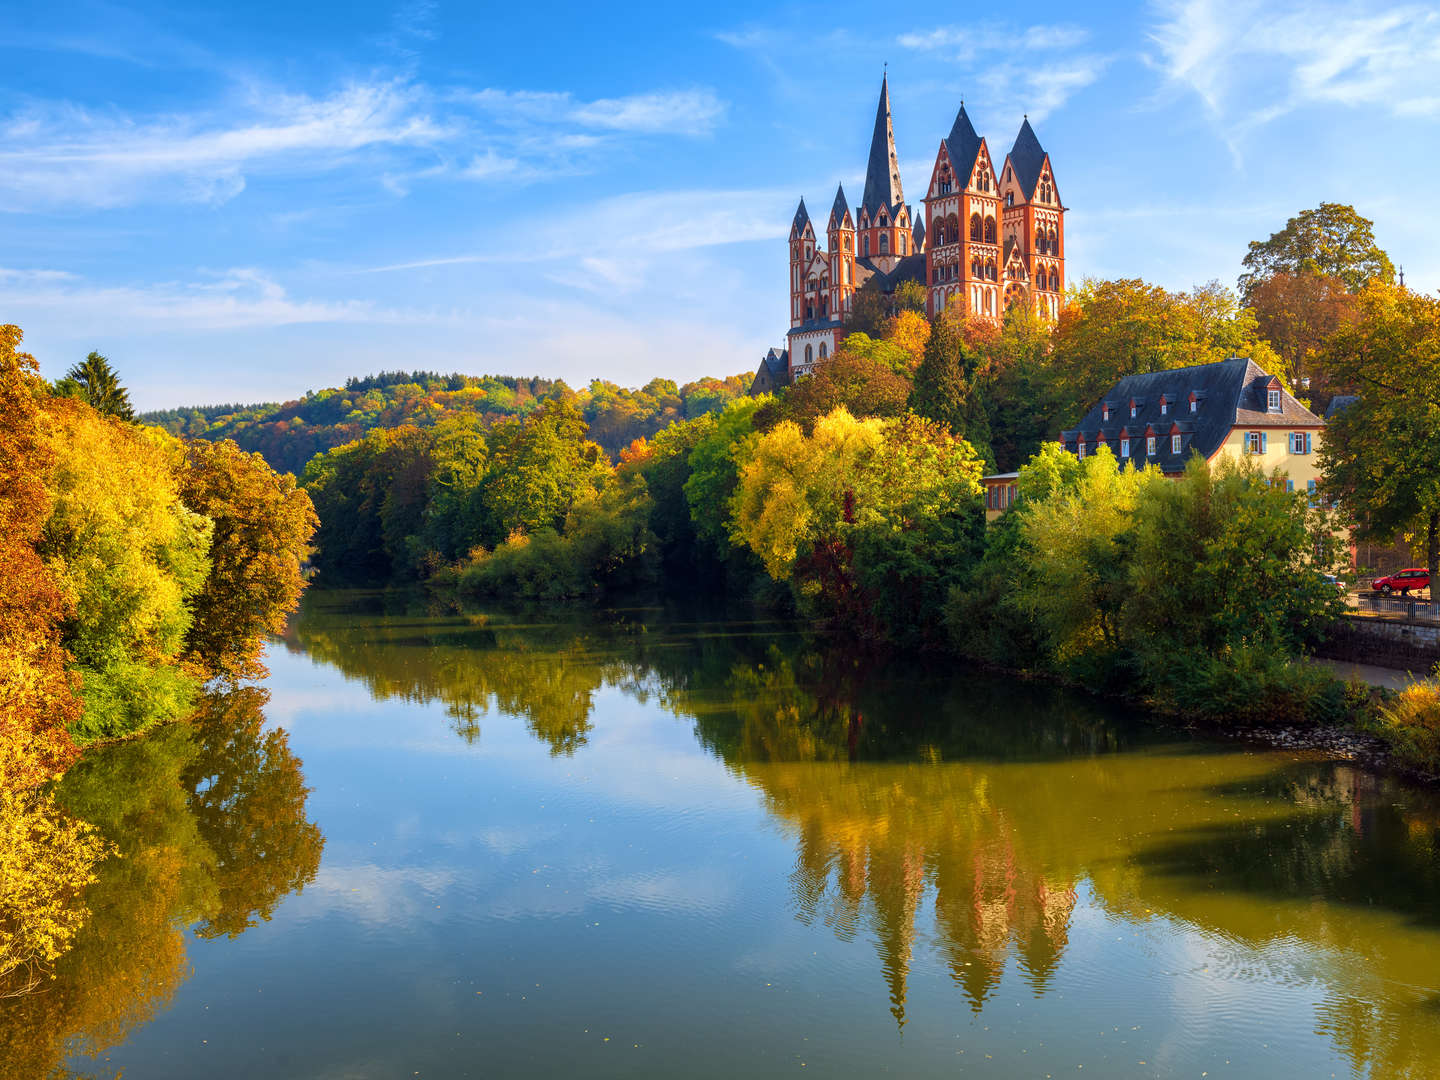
(987, 238)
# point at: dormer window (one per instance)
(1105, 413)
(1132, 410)
(1193, 403)
(1080, 448)
(1174, 444)
(1164, 407)
(1272, 400)
(1124, 447)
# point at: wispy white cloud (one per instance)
(676, 112)
(238, 298)
(61, 155)
(967, 42)
(58, 155)
(632, 230)
(1055, 65)
(1046, 86)
(1251, 61)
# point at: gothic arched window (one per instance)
(990, 269)
(989, 230)
(903, 244)
(822, 350)
(975, 227)
(884, 243)
(1054, 242)
(866, 244)
(975, 266)
(809, 354)
(1054, 281)
(824, 307)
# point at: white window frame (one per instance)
(1150, 446)
(1124, 447)
(1272, 400)
(1174, 444)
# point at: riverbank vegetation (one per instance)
(139, 568)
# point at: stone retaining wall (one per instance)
(1392, 643)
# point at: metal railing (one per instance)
(1415, 608)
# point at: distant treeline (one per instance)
(288, 435)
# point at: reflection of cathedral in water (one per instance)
(869, 850)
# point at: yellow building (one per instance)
(1230, 407)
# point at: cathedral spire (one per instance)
(1027, 158)
(962, 144)
(882, 175)
(840, 209)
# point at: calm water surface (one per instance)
(636, 845)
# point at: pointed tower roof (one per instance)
(918, 232)
(962, 144)
(840, 209)
(882, 174)
(802, 218)
(1027, 157)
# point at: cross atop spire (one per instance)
(882, 174)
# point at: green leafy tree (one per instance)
(1078, 528)
(864, 385)
(95, 382)
(538, 468)
(715, 470)
(262, 528)
(1225, 589)
(1111, 329)
(1379, 455)
(1332, 240)
(131, 555)
(945, 389)
(864, 517)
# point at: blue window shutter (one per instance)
(1262, 441)
(1307, 442)
(1289, 487)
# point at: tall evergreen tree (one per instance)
(944, 389)
(96, 383)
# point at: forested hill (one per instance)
(289, 434)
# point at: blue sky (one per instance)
(249, 201)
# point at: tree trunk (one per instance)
(1432, 548)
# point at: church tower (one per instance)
(1034, 227)
(841, 236)
(883, 225)
(802, 251)
(962, 206)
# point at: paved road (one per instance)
(1375, 676)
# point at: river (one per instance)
(651, 844)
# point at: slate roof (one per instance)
(1231, 393)
(1339, 403)
(910, 268)
(882, 174)
(802, 218)
(918, 232)
(1027, 158)
(826, 323)
(962, 144)
(774, 369)
(839, 208)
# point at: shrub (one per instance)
(1411, 724)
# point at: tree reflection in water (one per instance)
(998, 807)
(209, 820)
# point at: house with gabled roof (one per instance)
(1163, 418)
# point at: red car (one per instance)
(1402, 581)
